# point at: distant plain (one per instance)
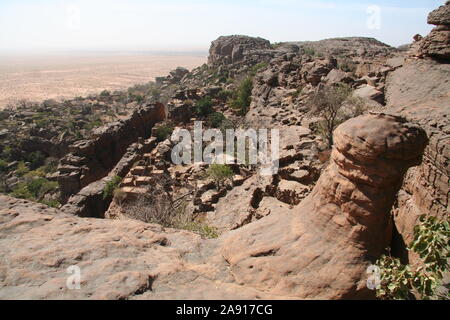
(40, 77)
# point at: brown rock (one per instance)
(322, 248)
(233, 49)
(437, 43)
(109, 144)
(424, 98)
(440, 16)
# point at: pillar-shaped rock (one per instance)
(322, 248)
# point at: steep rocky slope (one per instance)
(307, 232)
(334, 234)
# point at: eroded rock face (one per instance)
(437, 43)
(91, 160)
(319, 249)
(425, 99)
(440, 16)
(234, 49)
(322, 248)
(117, 259)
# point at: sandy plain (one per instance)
(36, 78)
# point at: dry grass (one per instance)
(37, 78)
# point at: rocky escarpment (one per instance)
(91, 200)
(420, 91)
(319, 249)
(91, 160)
(281, 91)
(234, 49)
(437, 43)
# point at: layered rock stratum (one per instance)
(319, 249)
(307, 232)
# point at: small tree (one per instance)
(204, 107)
(3, 166)
(242, 98)
(215, 119)
(334, 105)
(111, 186)
(219, 173)
(105, 94)
(163, 132)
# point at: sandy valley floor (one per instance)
(37, 78)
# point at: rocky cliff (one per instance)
(236, 49)
(320, 249)
(308, 232)
(420, 91)
(437, 43)
(91, 160)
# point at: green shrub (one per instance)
(155, 94)
(243, 97)
(42, 123)
(254, 70)
(36, 159)
(21, 191)
(38, 187)
(34, 189)
(3, 166)
(346, 65)
(10, 153)
(215, 119)
(105, 94)
(111, 186)
(400, 282)
(163, 132)
(53, 203)
(224, 95)
(309, 51)
(203, 107)
(219, 173)
(4, 115)
(22, 169)
(276, 45)
(204, 230)
(91, 125)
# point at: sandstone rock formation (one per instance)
(90, 201)
(234, 49)
(91, 160)
(420, 91)
(287, 236)
(437, 43)
(330, 238)
(319, 249)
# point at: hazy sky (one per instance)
(32, 25)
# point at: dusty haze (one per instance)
(42, 77)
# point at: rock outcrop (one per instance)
(90, 201)
(91, 160)
(420, 92)
(234, 49)
(437, 43)
(322, 247)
